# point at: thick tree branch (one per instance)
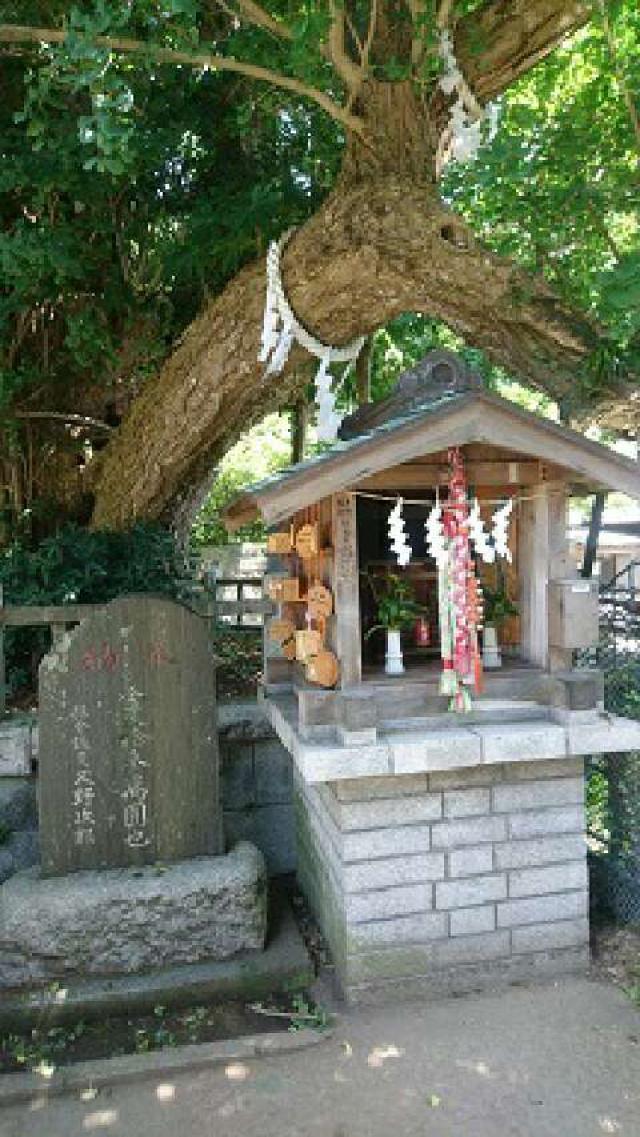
(382, 248)
(12, 33)
(501, 41)
(258, 16)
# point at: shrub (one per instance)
(77, 566)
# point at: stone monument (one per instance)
(132, 878)
(128, 743)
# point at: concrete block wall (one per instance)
(448, 881)
(256, 786)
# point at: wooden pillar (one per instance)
(544, 556)
(533, 539)
(561, 566)
(346, 589)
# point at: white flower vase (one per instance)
(393, 662)
(491, 657)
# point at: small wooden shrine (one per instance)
(450, 503)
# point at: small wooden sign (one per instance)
(279, 543)
(281, 630)
(319, 601)
(307, 542)
(308, 644)
(284, 589)
(323, 669)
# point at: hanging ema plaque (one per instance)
(279, 544)
(323, 669)
(307, 542)
(319, 601)
(128, 743)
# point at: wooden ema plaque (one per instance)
(319, 602)
(285, 590)
(308, 644)
(281, 630)
(323, 669)
(279, 543)
(307, 542)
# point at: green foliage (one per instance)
(239, 655)
(76, 566)
(497, 606)
(130, 192)
(308, 1015)
(557, 188)
(262, 451)
(397, 608)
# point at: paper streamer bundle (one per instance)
(281, 329)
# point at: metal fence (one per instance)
(613, 780)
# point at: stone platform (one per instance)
(448, 882)
(125, 921)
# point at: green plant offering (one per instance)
(397, 606)
(497, 607)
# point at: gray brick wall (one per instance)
(256, 786)
(448, 880)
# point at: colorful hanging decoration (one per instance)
(281, 329)
(397, 535)
(458, 595)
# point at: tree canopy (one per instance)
(151, 151)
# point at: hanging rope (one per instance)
(281, 329)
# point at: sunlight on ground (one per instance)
(100, 1119)
(480, 1068)
(236, 1071)
(608, 1125)
(379, 1055)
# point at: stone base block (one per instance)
(127, 921)
(449, 882)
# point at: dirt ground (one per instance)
(557, 1060)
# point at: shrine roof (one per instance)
(451, 418)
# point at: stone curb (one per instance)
(18, 1088)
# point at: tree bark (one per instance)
(385, 246)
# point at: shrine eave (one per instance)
(471, 417)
